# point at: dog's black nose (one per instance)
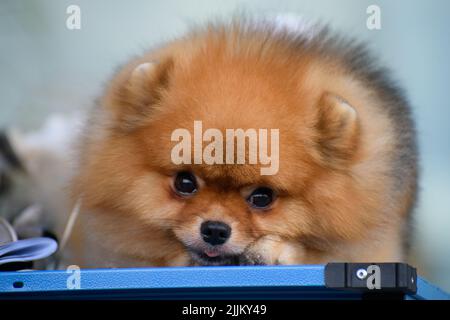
(215, 232)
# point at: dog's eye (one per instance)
(261, 198)
(185, 183)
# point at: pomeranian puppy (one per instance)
(342, 190)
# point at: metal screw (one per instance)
(361, 274)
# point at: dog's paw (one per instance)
(273, 251)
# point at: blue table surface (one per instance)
(243, 282)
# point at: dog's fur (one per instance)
(348, 162)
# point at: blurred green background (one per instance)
(46, 68)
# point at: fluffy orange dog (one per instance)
(346, 181)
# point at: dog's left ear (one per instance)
(136, 90)
(338, 126)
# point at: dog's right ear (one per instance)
(135, 90)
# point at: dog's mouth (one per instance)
(214, 258)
